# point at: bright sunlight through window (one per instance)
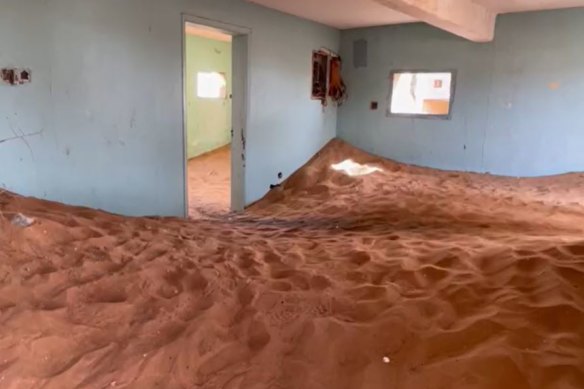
(422, 94)
(354, 169)
(211, 85)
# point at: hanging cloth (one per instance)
(337, 88)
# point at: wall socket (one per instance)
(15, 76)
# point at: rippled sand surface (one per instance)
(357, 273)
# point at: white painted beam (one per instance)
(461, 17)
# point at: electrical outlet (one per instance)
(15, 76)
(23, 76)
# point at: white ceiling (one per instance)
(206, 32)
(344, 14)
(341, 14)
(506, 6)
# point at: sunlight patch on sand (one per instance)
(406, 278)
(355, 169)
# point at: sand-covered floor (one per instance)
(209, 184)
(394, 277)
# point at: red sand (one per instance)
(407, 278)
(209, 183)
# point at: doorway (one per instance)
(215, 85)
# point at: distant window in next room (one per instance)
(211, 85)
(423, 94)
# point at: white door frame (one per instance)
(240, 90)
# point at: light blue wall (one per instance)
(508, 116)
(107, 96)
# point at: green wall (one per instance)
(208, 120)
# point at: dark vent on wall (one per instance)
(360, 53)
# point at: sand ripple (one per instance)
(378, 276)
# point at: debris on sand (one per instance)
(22, 221)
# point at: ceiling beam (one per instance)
(461, 17)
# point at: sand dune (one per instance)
(356, 273)
(209, 183)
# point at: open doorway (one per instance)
(209, 80)
(215, 85)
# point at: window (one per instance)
(320, 61)
(211, 85)
(422, 94)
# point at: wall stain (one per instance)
(133, 119)
(243, 141)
